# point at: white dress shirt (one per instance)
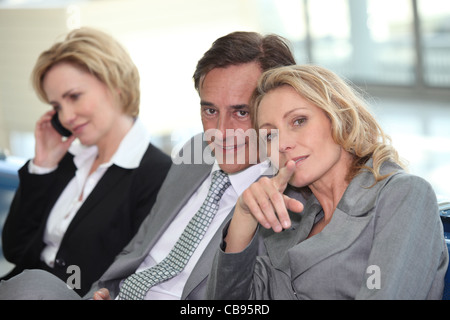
(128, 156)
(173, 288)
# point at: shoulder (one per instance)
(407, 195)
(153, 168)
(403, 182)
(395, 177)
(363, 193)
(154, 156)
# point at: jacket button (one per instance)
(60, 263)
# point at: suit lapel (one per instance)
(342, 231)
(172, 197)
(293, 252)
(301, 224)
(110, 180)
(64, 174)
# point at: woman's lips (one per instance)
(298, 160)
(77, 129)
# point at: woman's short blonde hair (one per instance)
(354, 128)
(99, 54)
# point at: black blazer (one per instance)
(105, 223)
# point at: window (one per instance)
(330, 34)
(435, 31)
(364, 41)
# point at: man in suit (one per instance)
(225, 79)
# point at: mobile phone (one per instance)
(59, 127)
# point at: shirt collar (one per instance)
(128, 155)
(243, 179)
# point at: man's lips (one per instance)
(230, 147)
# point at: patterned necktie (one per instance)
(135, 287)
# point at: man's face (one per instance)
(225, 95)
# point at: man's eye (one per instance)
(242, 113)
(210, 111)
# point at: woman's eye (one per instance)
(74, 96)
(299, 122)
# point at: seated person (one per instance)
(81, 203)
(368, 229)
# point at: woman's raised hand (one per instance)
(264, 203)
(50, 146)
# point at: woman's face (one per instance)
(304, 135)
(84, 104)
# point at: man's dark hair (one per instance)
(240, 47)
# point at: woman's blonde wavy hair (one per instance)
(99, 54)
(354, 128)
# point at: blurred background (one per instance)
(397, 51)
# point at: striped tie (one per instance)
(136, 286)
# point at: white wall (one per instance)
(23, 35)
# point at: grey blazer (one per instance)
(181, 182)
(383, 242)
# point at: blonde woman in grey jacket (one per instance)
(342, 219)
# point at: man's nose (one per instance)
(223, 123)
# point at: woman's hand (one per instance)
(50, 145)
(264, 203)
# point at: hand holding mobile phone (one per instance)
(59, 127)
(49, 149)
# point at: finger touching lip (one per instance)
(298, 160)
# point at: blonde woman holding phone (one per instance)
(81, 203)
